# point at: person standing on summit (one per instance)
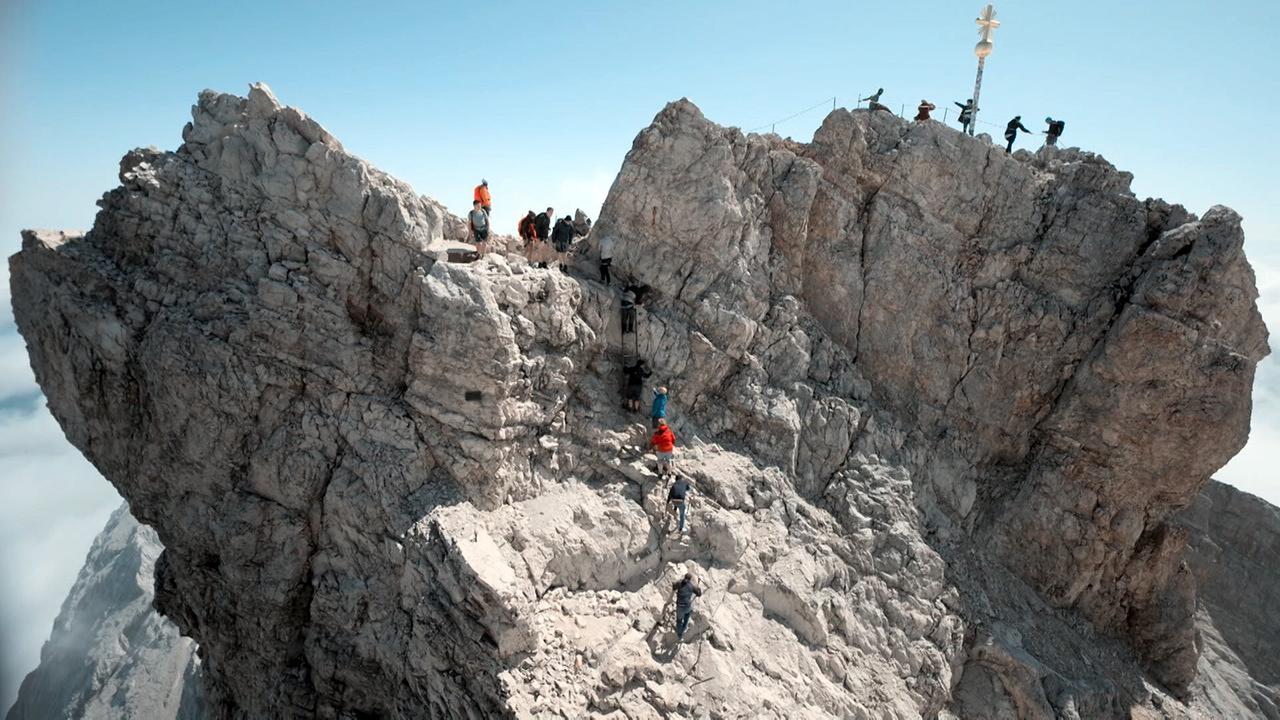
(966, 114)
(922, 112)
(482, 196)
(478, 221)
(1011, 131)
(542, 231)
(1054, 132)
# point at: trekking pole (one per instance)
(944, 115)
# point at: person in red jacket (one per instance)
(922, 112)
(482, 196)
(664, 444)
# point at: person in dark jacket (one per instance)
(561, 238)
(966, 113)
(685, 591)
(678, 499)
(1054, 132)
(633, 385)
(1011, 131)
(542, 237)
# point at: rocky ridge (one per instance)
(938, 402)
(110, 655)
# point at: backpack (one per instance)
(1057, 127)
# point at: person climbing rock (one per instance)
(966, 113)
(478, 221)
(873, 100)
(1011, 131)
(606, 258)
(922, 112)
(633, 384)
(482, 196)
(678, 500)
(542, 234)
(561, 238)
(658, 411)
(685, 591)
(628, 310)
(1054, 132)
(663, 443)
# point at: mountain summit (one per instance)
(938, 404)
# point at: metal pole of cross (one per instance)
(987, 23)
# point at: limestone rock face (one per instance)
(110, 655)
(937, 404)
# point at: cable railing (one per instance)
(902, 113)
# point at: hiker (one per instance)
(663, 443)
(874, 100)
(922, 112)
(482, 195)
(606, 258)
(478, 221)
(684, 590)
(658, 410)
(561, 237)
(1054, 132)
(1011, 131)
(542, 232)
(633, 383)
(525, 228)
(628, 310)
(966, 114)
(678, 499)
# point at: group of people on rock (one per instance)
(546, 239)
(966, 119)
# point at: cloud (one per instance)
(54, 503)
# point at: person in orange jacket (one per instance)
(663, 443)
(482, 196)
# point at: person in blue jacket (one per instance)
(659, 409)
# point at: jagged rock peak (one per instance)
(110, 655)
(938, 403)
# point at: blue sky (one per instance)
(544, 99)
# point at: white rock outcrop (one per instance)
(938, 404)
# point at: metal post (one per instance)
(986, 24)
(977, 90)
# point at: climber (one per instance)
(874, 100)
(658, 410)
(482, 195)
(478, 221)
(634, 377)
(663, 443)
(922, 112)
(1054, 132)
(628, 310)
(678, 499)
(561, 237)
(542, 231)
(684, 590)
(966, 113)
(606, 258)
(1011, 131)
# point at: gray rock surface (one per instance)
(1234, 542)
(938, 404)
(111, 655)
